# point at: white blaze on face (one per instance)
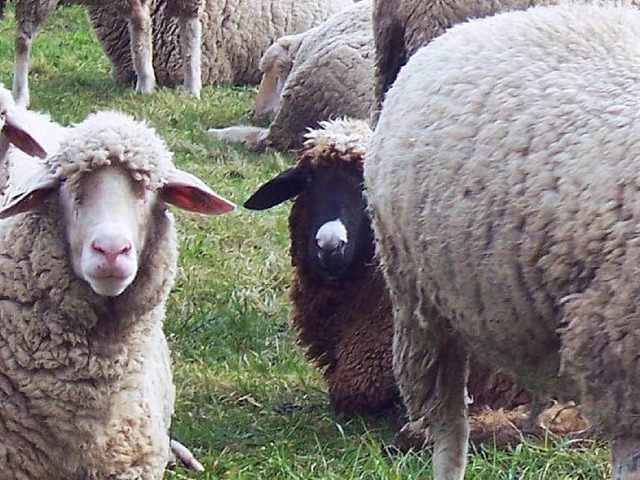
(106, 229)
(331, 235)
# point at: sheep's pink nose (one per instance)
(111, 247)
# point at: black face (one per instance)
(336, 222)
(337, 233)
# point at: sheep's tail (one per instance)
(184, 455)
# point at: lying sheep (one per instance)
(324, 73)
(88, 258)
(341, 310)
(135, 14)
(235, 34)
(502, 178)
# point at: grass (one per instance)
(248, 405)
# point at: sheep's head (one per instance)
(275, 65)
(329, 225)
(108, 200)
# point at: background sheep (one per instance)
(23, 135)
(322, 74)
(30, 15)
(401, 27)
(235, 34)
(502, 178)
(341, 309)
(87, 390)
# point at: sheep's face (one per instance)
(330, 210)
(107, 216)
(275, 66)
(338, 224)
(106, 222)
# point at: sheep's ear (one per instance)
(20, 137)
(288, 184)
(188, 192)
(32, 193)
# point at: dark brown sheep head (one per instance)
(330, 229)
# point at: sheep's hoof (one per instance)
(185, 456)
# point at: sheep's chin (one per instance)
(110, 287)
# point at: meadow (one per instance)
(249, 405)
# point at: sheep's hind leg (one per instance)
(432, 372)
(142, 46)
(30, 17)
(625, 458)
(191, 50)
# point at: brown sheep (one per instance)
(341, 309)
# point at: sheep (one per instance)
(341, 309)
(322, 74)
(88, 258)
(501, 178)
(235, 34)
(31, 14)
(401, 27)
(25, 136)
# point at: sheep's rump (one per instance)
(503, 182)
(235, 33)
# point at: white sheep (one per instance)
(25, 136)
(503, 182)
(234, 35)
(31, 14)
(322, 74)
(88, 256)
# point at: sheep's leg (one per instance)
(30, 17)
(191, 50)
(449, 423)
(187, 458)
(432, 372)
(142, 46)
(253, 138)
(625, 458)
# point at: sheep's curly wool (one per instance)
(85, 381)
(234, 36)
(503, 181)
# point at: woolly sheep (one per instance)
(25, 136)
(235, 34)
(135, 14)
(341, 309)
(327, 73)
(401, 27)
(88, 258)
(502, 179)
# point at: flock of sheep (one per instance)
(467, 240)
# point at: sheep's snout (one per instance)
(110, 263)
(331, 246)
(111, 247)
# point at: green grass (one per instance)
(248, 405)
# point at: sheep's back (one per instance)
(331, 77)
(502, 175)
